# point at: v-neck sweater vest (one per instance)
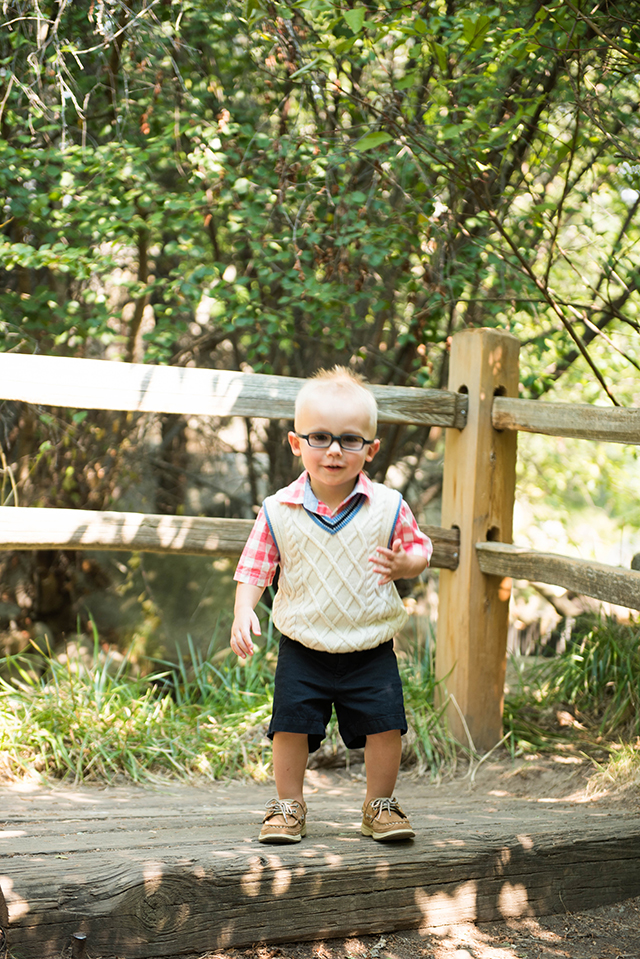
(328, 594)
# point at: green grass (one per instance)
(204, 715)
(431, 747)
(589, 696)
(204, 718)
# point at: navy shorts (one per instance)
(364, 687)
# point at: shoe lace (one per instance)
(280, 807)
(386, 805)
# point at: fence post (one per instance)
(478, 496)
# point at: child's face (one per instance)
(333, 471)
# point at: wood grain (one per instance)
(611, 584)
(155, 877)
(26, 527)
(607, 424)
(478, 494)
(136, 387)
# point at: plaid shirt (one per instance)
(260, 557)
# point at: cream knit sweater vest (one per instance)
(328, 594)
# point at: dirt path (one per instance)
(610, 932)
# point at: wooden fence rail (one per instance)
(481, 411)
(26, 527)
(608, 424)
(137, 388)
(611, 584)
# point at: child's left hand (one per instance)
(395, 563)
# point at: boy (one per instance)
(340, 541)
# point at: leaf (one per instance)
(440, 54)
(475, 31)
(410, 80)
(254, 10)
(373, 140)
(343, 46)
(355, 18)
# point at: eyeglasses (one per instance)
(350, 442)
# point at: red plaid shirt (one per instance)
(260, 557)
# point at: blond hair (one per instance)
(341, 379)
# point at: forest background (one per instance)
(276, 187)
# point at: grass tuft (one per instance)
(204, 715)
(588, 696)
(620, 772)
(103, 721)
(431, 747)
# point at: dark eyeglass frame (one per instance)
(335, 439)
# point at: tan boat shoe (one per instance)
(383, 819)
(285, 821)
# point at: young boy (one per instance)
(340, 541)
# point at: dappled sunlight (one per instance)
(110, 530)
(36, 787)
(441, 907)
(17, 906)
(513, 901)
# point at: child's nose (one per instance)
(335, 447)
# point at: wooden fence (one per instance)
(473, 547)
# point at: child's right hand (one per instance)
(245, 622)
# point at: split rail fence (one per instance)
(473, 548)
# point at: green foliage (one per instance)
(588, 695)
(599, 677)
(620, 771)
(278, 187)
(350, 184)
(205, 715)
(432, 748)
(102, 720)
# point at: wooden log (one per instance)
(136, 387)
(478, 496)
(607, 424)
(177, 870)
(143, 904)
(611, 584)
(26, 527)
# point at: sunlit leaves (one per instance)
(372, 140)
(459, 170)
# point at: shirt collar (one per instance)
(299, 493)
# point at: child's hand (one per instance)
(245, 622)
(395, 563)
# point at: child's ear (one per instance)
(294, 443)
(371, 452)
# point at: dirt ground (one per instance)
(610, 932)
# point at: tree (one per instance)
(279, 186)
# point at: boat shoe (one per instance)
(285, 821)
(384, 819)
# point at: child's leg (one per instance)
(382, 754)
(382, 817)
(290, 754)
(285, 818)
